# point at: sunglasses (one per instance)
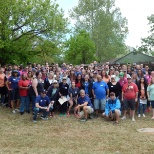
(44, 93)
(112, 95)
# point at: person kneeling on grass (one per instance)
(84, 104)
(112, 108)
(42, 104)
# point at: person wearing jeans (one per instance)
(23, 92)
(42, 104)
(142, 87)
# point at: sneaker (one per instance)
(3, 104)
(44, 118)
(152, 118)
(17, 110)
(139, 115)
(68, 114)
(144, 115)
(13, 111)
(64, 114)
(115, 123)
(123, 118)
(133, 119)
(96, 116)
(91, 116)
(21, 113)
(34, 121)
(147, 110)
(83, 120)
(61, 114)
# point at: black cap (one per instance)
(43, 91)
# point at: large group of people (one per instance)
(85, 91)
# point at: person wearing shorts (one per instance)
(100, 93)
(12, 85)
(84, 104)
(129, 97)
(112, 108)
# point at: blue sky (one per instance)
(136, 12)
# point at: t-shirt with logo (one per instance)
(63, 89)
(82, 100)
(130, 91)
(100, 89)
(73, 91)
(14, 82)
(43, 101)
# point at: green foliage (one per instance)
(80, 49)
(148, 43)
(105, 24)
(28, 26)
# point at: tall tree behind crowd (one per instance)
(24, 23)
(107, 27)
(148, 42)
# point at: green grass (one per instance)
(67, 135)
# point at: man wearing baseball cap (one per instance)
(112, 108)
(129, 97)
(42, 104)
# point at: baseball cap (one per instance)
(15, 71)
(64, 78)
(113, 76)
(129, 77)
(55, 81)
(121, 74)
(43, 91)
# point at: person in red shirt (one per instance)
(23, 92)
(129, 97)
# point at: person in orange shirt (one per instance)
(2, 86)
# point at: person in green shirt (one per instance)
(150, 94)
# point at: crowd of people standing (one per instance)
(85, 89)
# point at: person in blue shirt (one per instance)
(42, 104)
(12, 85)
(112, 108)
(73, 93)
(100, 93)
(84, 106)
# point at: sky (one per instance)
(136, 12)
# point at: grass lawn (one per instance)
(67, 135)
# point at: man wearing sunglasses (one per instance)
(112, 108)
(42, 104)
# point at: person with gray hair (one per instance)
(84, 106)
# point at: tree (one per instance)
(80, 49)
(23, 23)
(148, 43)
(105, 24)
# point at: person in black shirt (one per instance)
(63, 92)
(114, 86)
(53, 94)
